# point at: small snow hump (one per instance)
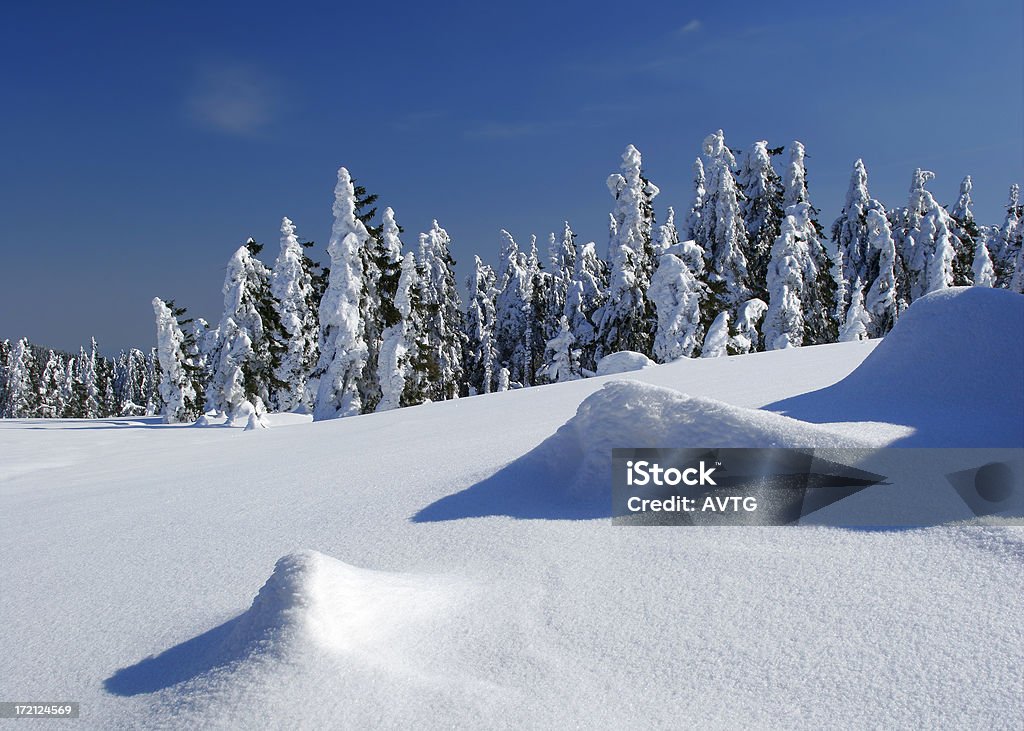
(623, 362)
(313, 599)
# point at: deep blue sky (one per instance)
(143, 142)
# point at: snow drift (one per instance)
(951, 367)
(568, 475)
(311, 604)
(313, 599)
(623, 362)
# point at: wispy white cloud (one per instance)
(692, 27)
(234, 99)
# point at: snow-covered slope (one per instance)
(434, 566)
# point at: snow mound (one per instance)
(633, 414)
(623, 362)
(568, 476)
(951, 368)
(964, 346)
(313, 599)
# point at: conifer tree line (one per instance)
(745, 266)
(38, 383)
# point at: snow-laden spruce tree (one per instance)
(443, 328)
(134, 386)
(827, 283)
(400, 350)
(249, 308)
(746, 336)
(291, 285)
(1005, 247)
(343, 352)
(51, 398)
(886, 298)
(850, 233)
(481, 318)
(965, 232)
(234, 395)
(90, 393)
(716, 342)
(583, 302)
(543, 323)
(512, 311)
(857, 319)
(627, 320)
(678, 295)
(562, 256)
(761, 208)
(721, 233)
(180, 402)
(21, 397)
(691, 228)
(561, 359)
(983, 273)
(5, 367)
(784, 325)
(666, 235)
(926, 239)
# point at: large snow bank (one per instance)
(568, 475)
(623, 362)
(951, 367)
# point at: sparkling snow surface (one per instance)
(394, 570)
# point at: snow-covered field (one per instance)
(418, 569)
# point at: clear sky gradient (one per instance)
(143, 142)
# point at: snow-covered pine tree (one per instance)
(90, 394)
(983, 273)
(583, 301)
(133, 383)
(747, 328)
(824, 305)
(180, 402)
(5, 367)
(627, 320)
(691, 227)
(481, 316)
(721, 233)
(761, 208)
(49, 396)
(965, 231)
(927, 240)
(850, 233)
(561, 359)
(815, 286)
(343, 352)
(667, 235)
(443, 328)
(395, 281)
(886, 298)
(562, 257)
(249, 308)
(295, 300)
(1006, 245)
(857, 319)
(402, 380)
(716, 342)
(542, 326)
(678, 295)
(512, 310)
(22, 398)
